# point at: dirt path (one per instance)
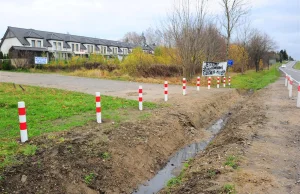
(124, 89)
(260, 145)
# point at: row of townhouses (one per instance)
(58, 45)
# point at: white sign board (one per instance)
(214, 69)
(40, 60)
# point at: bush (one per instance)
(160, 70)
(6, 65)
(94, 61)
(139, 63)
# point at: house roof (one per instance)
(21, 34)
(23, 48)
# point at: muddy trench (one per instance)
(121, 158)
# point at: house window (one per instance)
(59, 46)
(39, 43)
(54, 45)
(77, 47)
(104, 50)
(73, 47)
(33, 43)
(115, 50)
(125, 51)
(92, 49)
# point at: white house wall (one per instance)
(36, 39)
(8, 43)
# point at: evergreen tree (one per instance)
(285, 55)
(1, 55)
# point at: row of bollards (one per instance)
(288, 82)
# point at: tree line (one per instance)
(200, 36)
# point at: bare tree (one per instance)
(153, 36)
(133, 38)
(233, 11)
(242, 40)
(215, 46)
(259, 46)
(21, 59)
(184, 30)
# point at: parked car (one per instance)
(283, 65)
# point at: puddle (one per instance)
(175, 164)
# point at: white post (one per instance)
(298, 99)
(291, 88)
(184, 86)
(98, 107)
(288, 82)
(198, 83)
(218, 82)
(285, 81)
(140, 98)
(208, 83)
(166, 91)
(22, 120)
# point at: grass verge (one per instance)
(256, 80)
(297, 66)
(49, 110)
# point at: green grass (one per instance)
(105, 155)
(144, 116)
(256, 80)
(229, 189)
(177, 180)
(29, 150)
(297, 66)
(50, 110)
(89, 178)
(232, 161)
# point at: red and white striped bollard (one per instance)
(224, 82)
(285, 81)
(198, 83)
(98, 107)
(229, 80)
(208, 82)
(22, 120)
(218, 82)
(140, 98)
(184, 86)
(291, 88)
(166, 91)
(288, 82)
(298, 99)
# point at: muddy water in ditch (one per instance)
(175, 164)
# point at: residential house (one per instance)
(59, 45)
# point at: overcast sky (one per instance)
(111, 19)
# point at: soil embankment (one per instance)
(116, 158)
(257, 152)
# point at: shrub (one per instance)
(6, 65)
(137, 61)
(160, 70)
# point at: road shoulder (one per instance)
(257, 152)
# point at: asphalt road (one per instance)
(123, 89)
(291, 71)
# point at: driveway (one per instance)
(291, 71)
(123, 89)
